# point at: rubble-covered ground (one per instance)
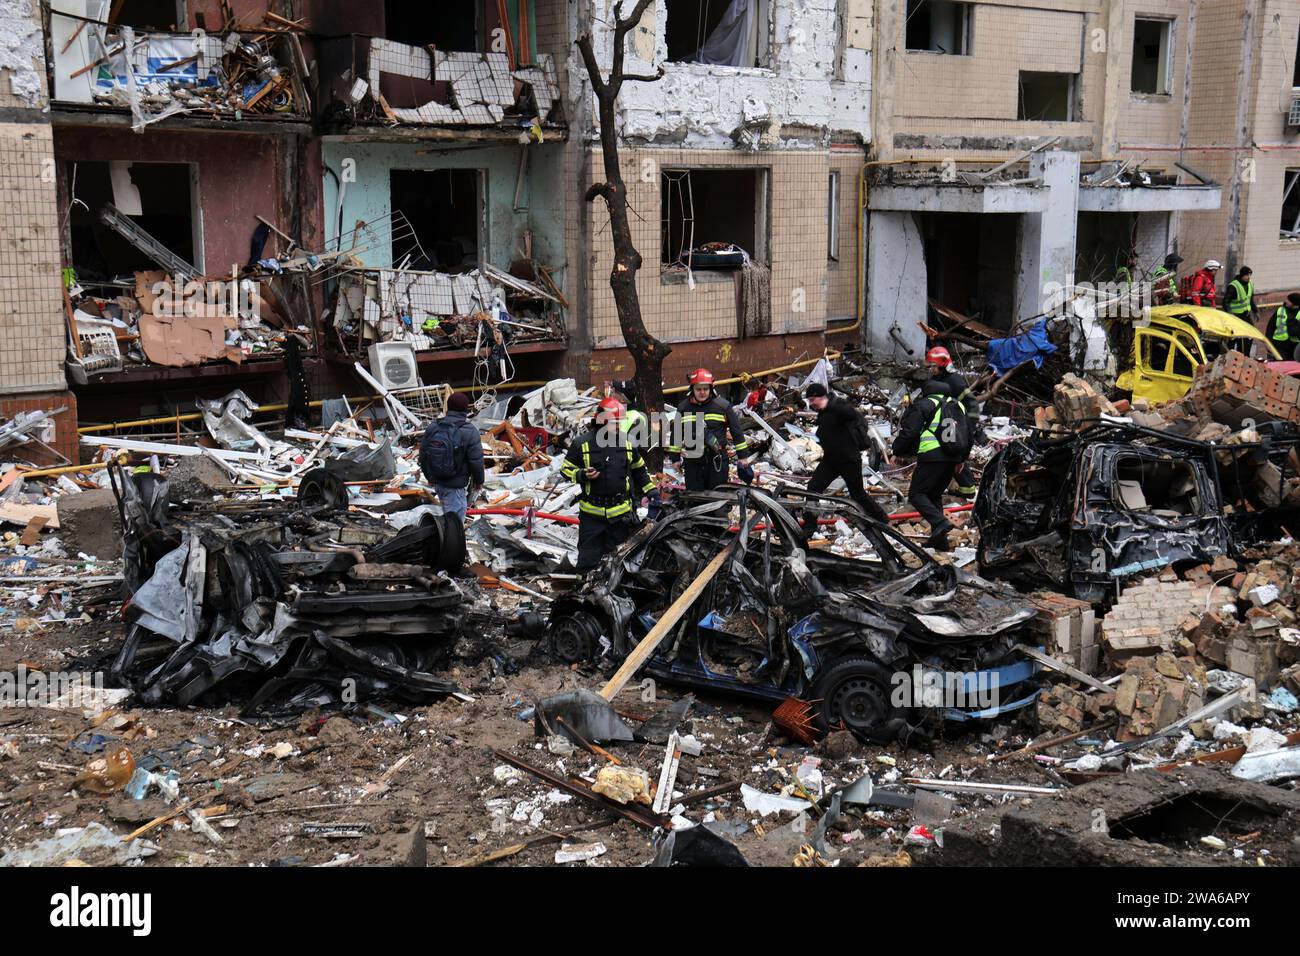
(302, 675)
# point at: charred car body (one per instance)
(281, 605)
(778, 621)
(1082, 514)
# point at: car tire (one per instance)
(575, 637)
(853, 693)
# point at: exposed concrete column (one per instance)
(1118, 45)
(888, 34)
(1047, 238)
(896, 286)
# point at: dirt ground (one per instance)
(395, 783)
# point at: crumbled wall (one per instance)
(818, 81)
(22, 55)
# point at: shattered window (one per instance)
(1290, 224)
(1151, 56)
(717, 32)
(1154, 351)
(713, 218)
(1184, 365)
(447, 26)
(150, 14)
(938, 26)
(1047, 96)
(1156, 485)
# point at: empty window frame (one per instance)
(1047, 96)
(1152, 56)
(939, 26)
(451, 27)
(161, 198)
(438, 218)
(1295, 75)
(1290, 225)
(158, 15)
(708, 214)
(833, 218)
(718, 32)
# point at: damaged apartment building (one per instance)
(1024, 144)
(258, 195)
(264, 195)
(741, 163)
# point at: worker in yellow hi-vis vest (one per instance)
(613, 477)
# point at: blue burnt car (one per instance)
(888, 644)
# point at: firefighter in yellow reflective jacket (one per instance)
(613, 477)
(700, 436)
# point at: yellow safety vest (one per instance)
(1240, 304)
(929, 440)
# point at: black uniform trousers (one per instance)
(851, 471)
(598, 536)
(706, 472)
(929, 481)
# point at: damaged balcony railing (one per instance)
(486, 309)
(372, 80)
(258, 71)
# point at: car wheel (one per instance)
(576, 637)
(854, 693)
(319, 488)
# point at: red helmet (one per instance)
(611, 408)
(938, 356)
(701, 376)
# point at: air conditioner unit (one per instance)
(1293, 114)
(393, 363)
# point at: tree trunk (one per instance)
(648, 353)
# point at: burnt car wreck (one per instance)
(1084, 513)
(783, 620)
(282, 606)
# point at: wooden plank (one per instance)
(23, 514)
(32, 533)
(641, 653)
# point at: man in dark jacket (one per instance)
(451, 456)
(841, 456)
(942, 370)
(918, 435)
(700, 435)
(613, 477)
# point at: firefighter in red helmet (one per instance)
(942, 370)
(613, 477)
(704, 420)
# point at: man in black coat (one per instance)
(841, 456)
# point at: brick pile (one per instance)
(1063, 708)
(1156, 691)
(1067, 629)
(1075, 401)
(1233, 388)
(1147, 617)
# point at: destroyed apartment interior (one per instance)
(648, 433)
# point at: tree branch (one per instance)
(642, 78)
(599, 189)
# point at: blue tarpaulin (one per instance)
(1032, 346)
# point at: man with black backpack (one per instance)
(843, 436)
(937, 431)
(942, 370)
(451, 456)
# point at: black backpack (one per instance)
(860, 432)
(440, 458)
(954, 431)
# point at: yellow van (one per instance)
(1177, 339)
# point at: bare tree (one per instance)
(648, 353)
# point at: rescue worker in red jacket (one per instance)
(1202, 285)
(700, 436)
(613, 477)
